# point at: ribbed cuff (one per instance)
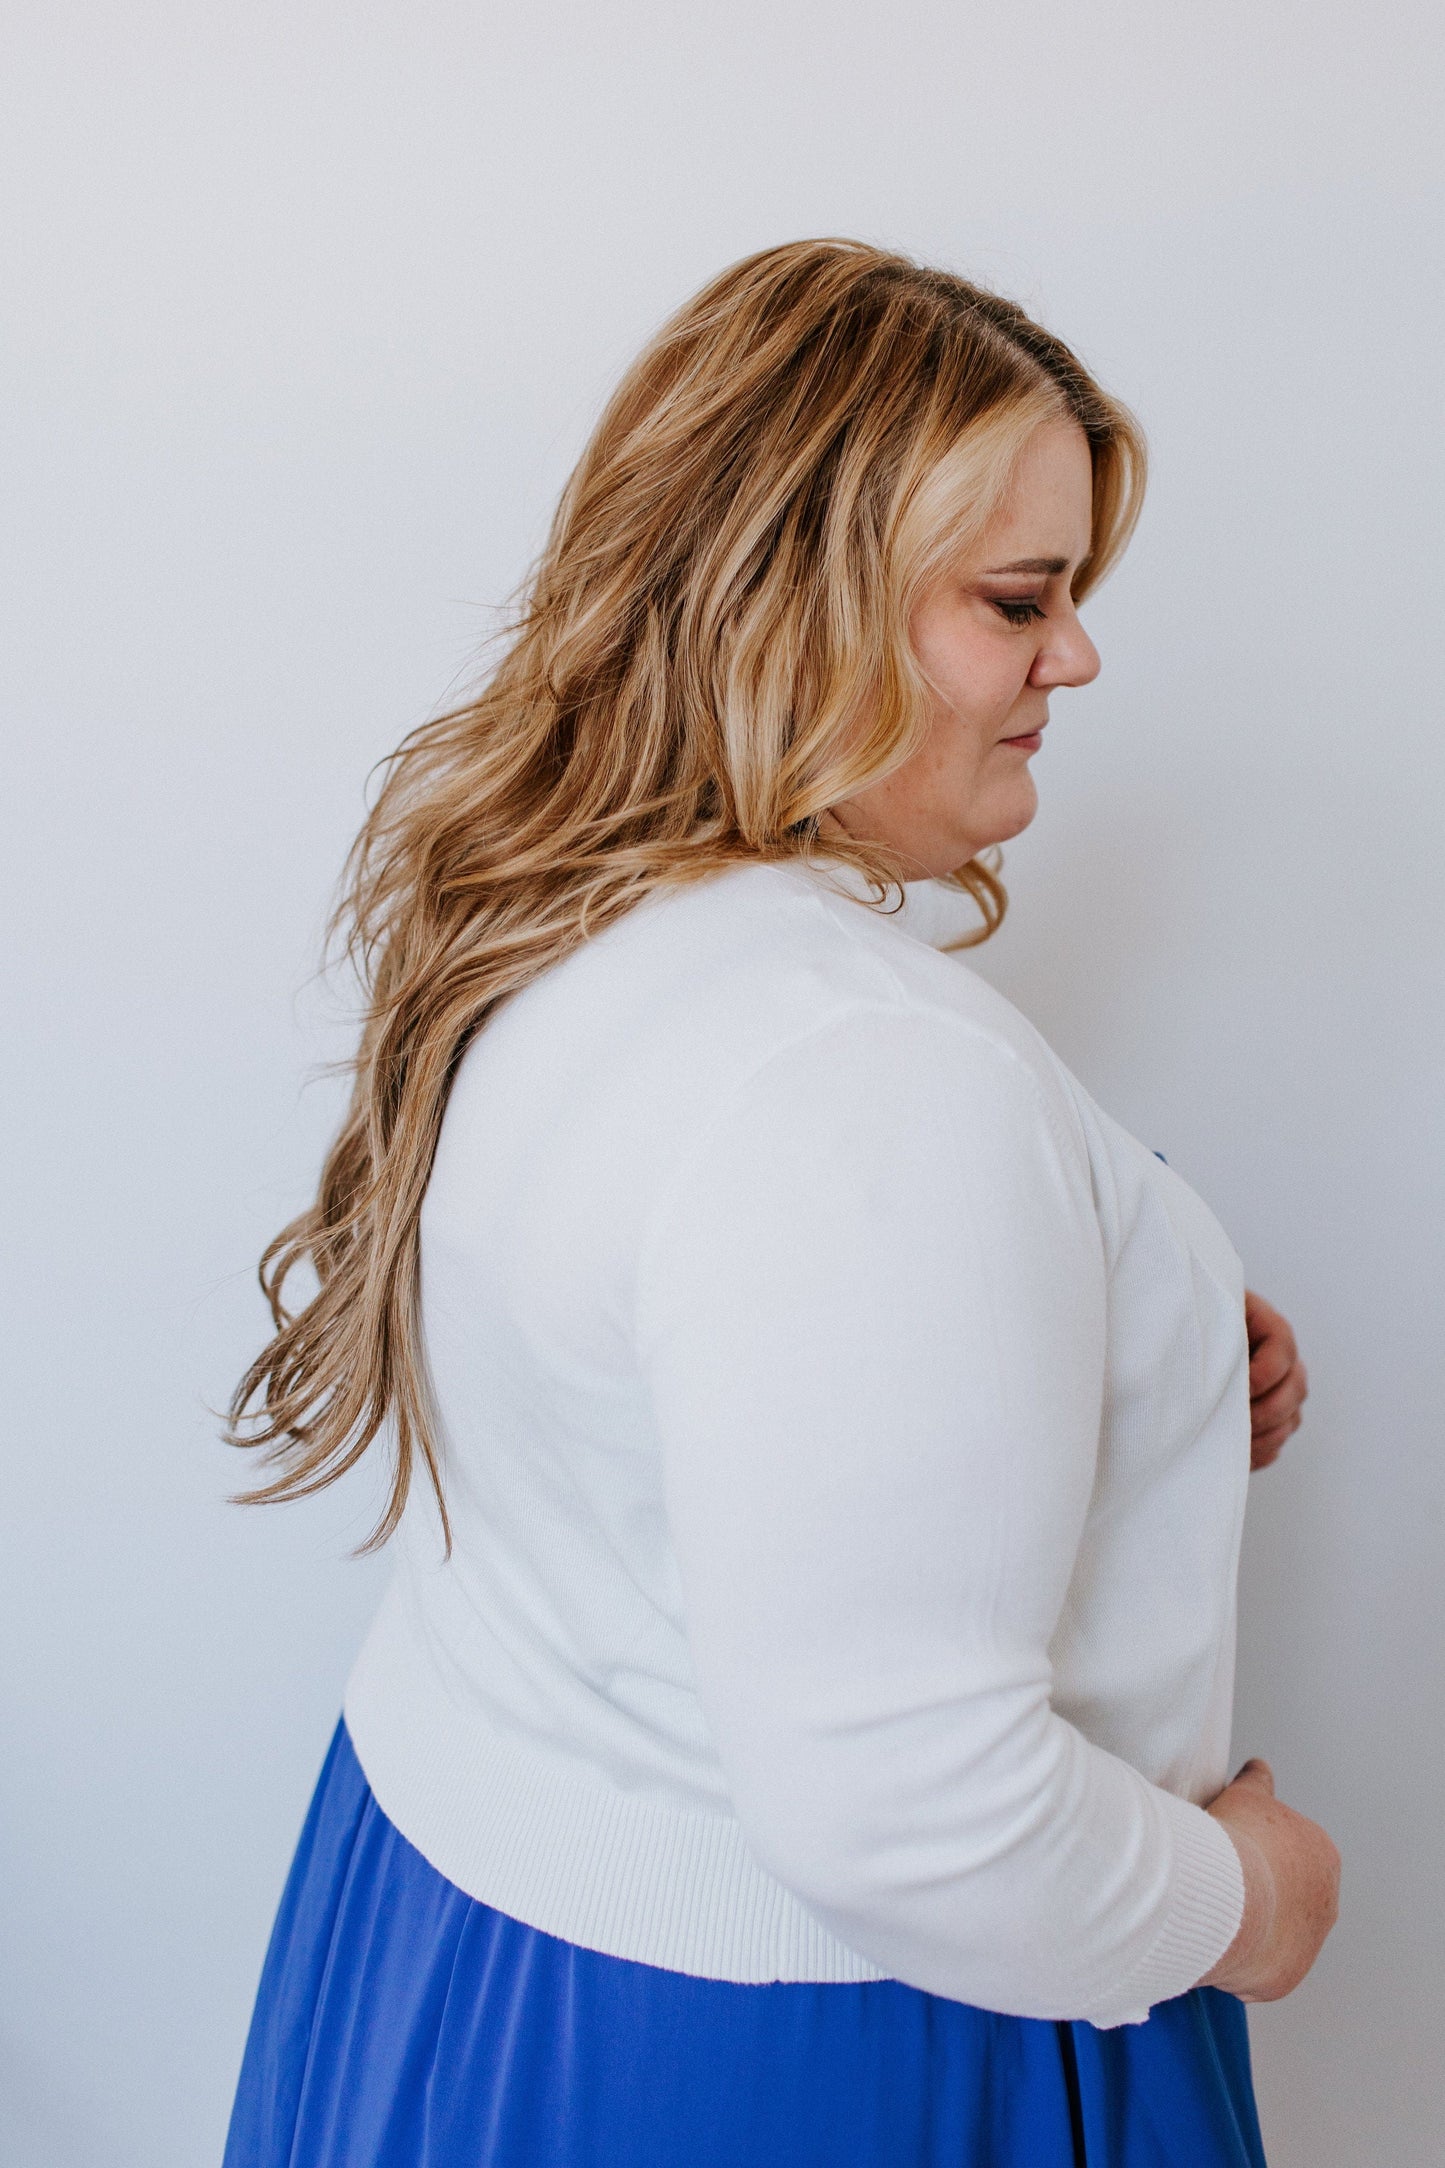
(1206, 1907)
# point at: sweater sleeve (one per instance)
(870, 1315)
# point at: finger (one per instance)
(1268, 1373)
(1256, 1771)
(1261, 1318)
(1265, 1326)
(1269, 1366)
(1267, 1410)
(1264, 1450)
(1267, 1440)
(1275, 1346)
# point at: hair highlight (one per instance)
(711, 650)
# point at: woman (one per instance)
(797, 1728)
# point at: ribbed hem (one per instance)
(521, 1831)
(1207, 1905)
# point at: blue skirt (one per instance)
(403, 2024)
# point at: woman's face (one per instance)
(995, 634)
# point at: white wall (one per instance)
(309, 308)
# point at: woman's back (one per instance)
(531, 1713)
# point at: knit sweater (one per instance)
(844, 1427)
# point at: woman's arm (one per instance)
(871, 1314)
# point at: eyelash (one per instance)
(1019, 614)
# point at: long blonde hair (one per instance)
(711, 650)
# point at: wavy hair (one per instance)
(710, 651)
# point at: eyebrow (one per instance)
(1051, 565)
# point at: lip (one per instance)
(1031, 739)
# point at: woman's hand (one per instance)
(1277, 1380)
(1291, 1889)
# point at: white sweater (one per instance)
(845, 1432)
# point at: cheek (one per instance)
(979, 674)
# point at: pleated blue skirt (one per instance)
(402, 2024)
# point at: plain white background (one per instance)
(309, 310)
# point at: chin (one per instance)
(1009, 821)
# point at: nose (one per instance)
(1067, 657)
